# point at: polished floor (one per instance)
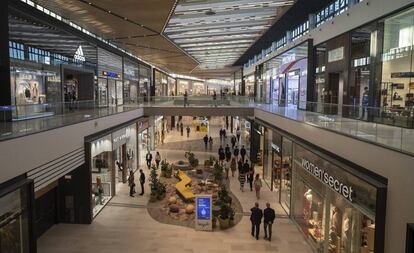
(124, 225)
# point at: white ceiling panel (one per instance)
(217, 32)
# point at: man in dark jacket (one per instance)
(205, 139)
(148, 157)
(142, 181)
(236, 152)
(269, 218)
(243, 152)
(227, 149)
(256, 219)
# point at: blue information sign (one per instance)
(203, 208)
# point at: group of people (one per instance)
(268, 215)
(180, 127)
(235, 160)
(131, 182)
(208, 141)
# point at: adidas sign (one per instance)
(79, 54)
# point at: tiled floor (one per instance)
(124, 225)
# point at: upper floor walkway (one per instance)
(338, 119)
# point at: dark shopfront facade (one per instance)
(336, 204)
(54, 68)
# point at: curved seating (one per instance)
(184, 186)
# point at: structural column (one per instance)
(5, 87)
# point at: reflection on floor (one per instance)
(124, 225)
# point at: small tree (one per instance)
(154, 181)
(218, 173)
(158, 189)
(166, 169)
(191, 159)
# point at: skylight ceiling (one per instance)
(217, 32)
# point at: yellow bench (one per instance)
(183, 187)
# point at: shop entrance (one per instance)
(332, 98)
(121, 167)
(293, 82)
(78, 88)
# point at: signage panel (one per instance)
(203, 219)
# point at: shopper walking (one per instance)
(256, 219)
(185, 99)
(227, 149)
(188, 131)
(131, 183)
(233, 141)
(221, 134)
(142, 181)
(236, 152)
(242, 179)
(246, 169)
(210, 141)
(227, 169)
(214, 98)
(158, 159)
(243, 152)
(257, 185)
(268, 220)
(238, 134)
(205, 139)
(222, 155)
(148, 157)
(233, 166)
(182, 128)
(224, 133)
(228, 155)
(240, 165)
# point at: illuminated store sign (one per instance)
(79, 54)
(332, 182)
(110, 74)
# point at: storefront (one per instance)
(110, 87)
(249, 85)
(335, 209)
(16, 221)
(286, 78)
(144, 80)
(47, 80)
(143, 141)
(112, 157)
(161, 84)
(131, 80)
(172, 86)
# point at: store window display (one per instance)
(397, 87)
(102, 173)
(29, 91)
(333, 221)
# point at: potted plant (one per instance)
(166, 169)
(224, 217)
(158, 189)
(191, 159)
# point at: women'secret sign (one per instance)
(329, 180)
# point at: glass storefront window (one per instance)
(397, 87)
(29, 87)
(335, 209)
(14, 230)
(102, 173)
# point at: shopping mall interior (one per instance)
(207, 126)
